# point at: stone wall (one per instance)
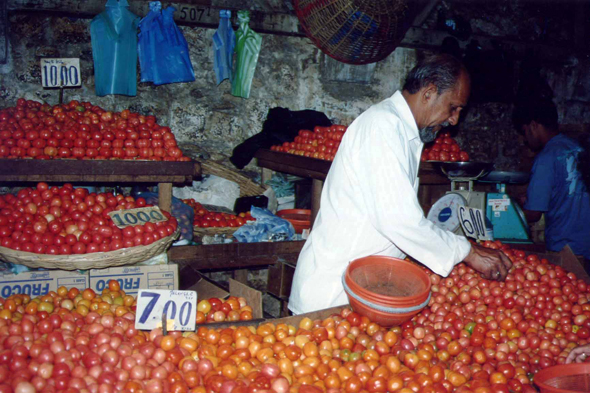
(292, 73)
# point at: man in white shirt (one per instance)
(369, 204)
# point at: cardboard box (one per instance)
(133, 278)
(206, 288)
(40, 282)
(567, 260)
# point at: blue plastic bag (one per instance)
(266, 227)
(164, 55)
(224, 42)
(114, 49)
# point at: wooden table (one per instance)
(317, 170)
(103, 171)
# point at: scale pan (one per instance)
(470, 169)
(506, 177)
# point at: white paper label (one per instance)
(180, 308)
(499, 205)
(60, 72)
(473, 222)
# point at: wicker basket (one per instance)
(200, 232)
(247, 186)
(353, 31)
(96, 260)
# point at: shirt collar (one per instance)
(406, 116)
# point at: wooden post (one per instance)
(316, 195)
(265, 176)
(165, 196)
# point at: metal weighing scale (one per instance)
(505, 220)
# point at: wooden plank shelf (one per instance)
(104, 171)
(235, 255)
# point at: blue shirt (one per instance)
(556, 188)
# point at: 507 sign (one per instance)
(194, 14)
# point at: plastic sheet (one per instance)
(267, 227)
(163, 50)
(224, 42)
(114, 49)
(248, 44)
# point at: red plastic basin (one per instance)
(564, 378)
(300, 218)
(389, 291)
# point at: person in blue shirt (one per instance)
(557, 187)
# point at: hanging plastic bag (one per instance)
(248, 44)
(114, 49)
(224, 42)
(164, 55)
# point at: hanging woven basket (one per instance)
(353, 31)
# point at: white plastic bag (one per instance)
(213, 190)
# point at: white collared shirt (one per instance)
(369, 206)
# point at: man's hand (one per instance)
(492, 264)
(578, 354)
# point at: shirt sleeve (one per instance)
(541, 184)
(392, 204)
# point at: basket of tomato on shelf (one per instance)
(321, 143)
(207, 222)
(70, 228)
(83, 131)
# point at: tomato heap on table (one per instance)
(322, 143)
(444, 148)
(208, 219)
(67, 220)
(83, 131)
(475, 336)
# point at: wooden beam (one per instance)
(204, 13)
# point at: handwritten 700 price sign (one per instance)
(179, 307)
(139, 216)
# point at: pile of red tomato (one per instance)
(444, 148)
(217, 310)
(83, 131)
(322, 143)
(67, 220)
(208, 219)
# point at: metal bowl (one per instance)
(470, 169)
(506, 177)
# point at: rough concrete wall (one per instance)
(292, 73)
(206, 119)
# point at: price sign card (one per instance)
(139, 216)
(60, 72)
(473, 223)
(179, 308)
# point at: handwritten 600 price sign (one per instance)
(139, 216)
(473, 223)
(179, 308)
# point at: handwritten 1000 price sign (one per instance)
(139, 216)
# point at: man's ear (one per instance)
(428, 93)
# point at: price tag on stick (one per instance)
(171, 310)
(473, 222)
(60, 72)
(138, 216)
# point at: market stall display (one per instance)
(59, 221)
(322, 143)
(475, 335)
(81, 130)
(444, 148)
